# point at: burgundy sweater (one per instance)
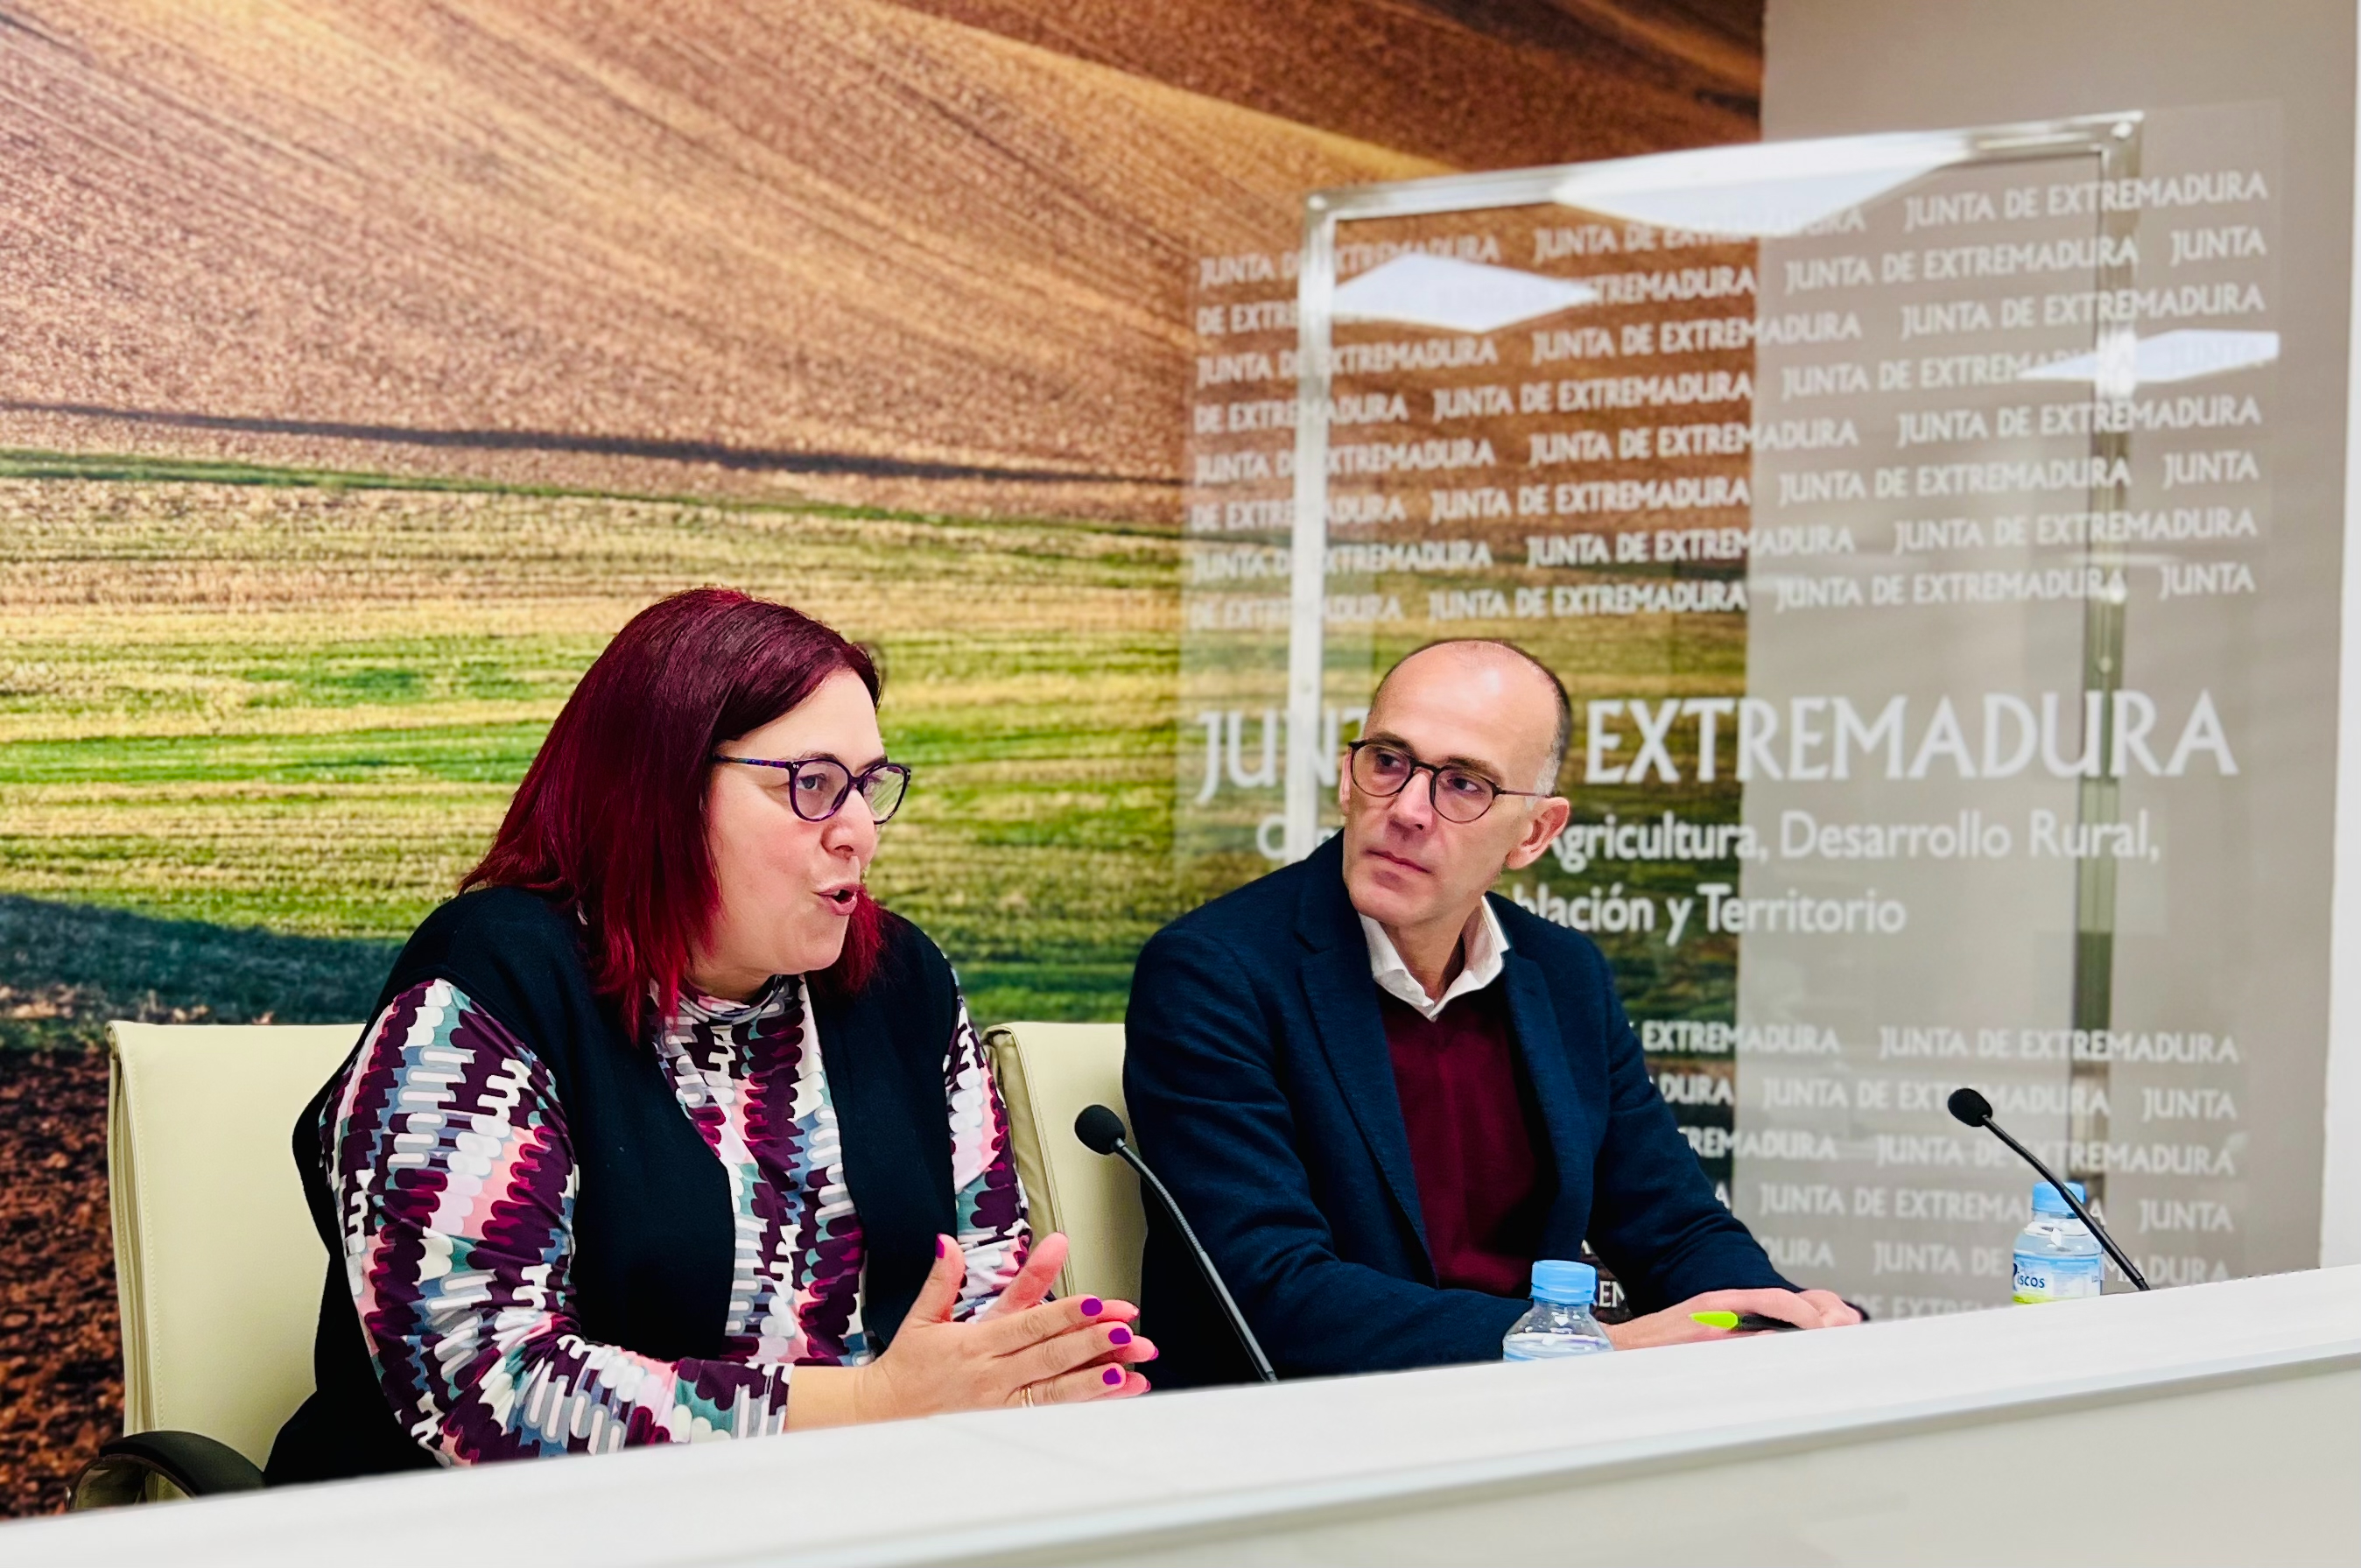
(1477, 1142)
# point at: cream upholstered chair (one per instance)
(215, 1260)
(1048, 1072)
(219, 1270)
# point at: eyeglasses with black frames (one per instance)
(1456, 794)
(817, 787)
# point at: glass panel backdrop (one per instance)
(1897, 510)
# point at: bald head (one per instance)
(1494, 676)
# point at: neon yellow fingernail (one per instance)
(1715, 1320)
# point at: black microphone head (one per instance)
(1098, 1128)
(1971, 1107)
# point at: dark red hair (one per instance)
(610, 816)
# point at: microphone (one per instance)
(1976, 1111)
(1101, 1131)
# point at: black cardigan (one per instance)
(652, 1228)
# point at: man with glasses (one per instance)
(1380, 1095)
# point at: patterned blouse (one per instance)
(455, 1179)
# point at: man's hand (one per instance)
(1805, 1309)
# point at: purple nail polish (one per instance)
(1092, 1306)
(1118, 1335)
(1111, 1377)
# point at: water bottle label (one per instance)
(2043, 1279)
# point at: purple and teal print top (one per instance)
(455, 1181)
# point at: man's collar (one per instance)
(1487, 952)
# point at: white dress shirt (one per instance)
(1487, 944)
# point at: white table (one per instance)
(2209, 1424)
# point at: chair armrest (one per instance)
(190, 1462)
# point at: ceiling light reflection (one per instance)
(1763, 189)
(2116, 367)
(1439, 292)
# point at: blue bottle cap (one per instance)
(2047, 1201)
(1567, 1283)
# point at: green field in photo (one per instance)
(279, 713)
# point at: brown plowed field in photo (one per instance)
(60, 1354)
(838, 248)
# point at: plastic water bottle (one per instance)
(1560, 1323)
(2057, 1258)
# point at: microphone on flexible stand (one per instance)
(1102, 1131)
(1976, 1111)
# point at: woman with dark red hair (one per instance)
(663, 1129)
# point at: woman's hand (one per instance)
(1059, 1352)
(1805, 1309)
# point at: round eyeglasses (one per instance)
(1456, 794)
(817, 787)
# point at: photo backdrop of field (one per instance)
(369, 363)
(773, 256)
(298, 706)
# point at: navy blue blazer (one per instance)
(1261, 1089)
